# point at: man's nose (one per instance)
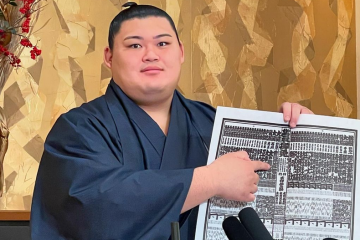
(150, 55)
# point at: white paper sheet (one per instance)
(310, 191)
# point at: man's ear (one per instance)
(182, 52)
(108, 57)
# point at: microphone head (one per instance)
(234, 230)
(253, 224)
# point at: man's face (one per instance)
(146, 59)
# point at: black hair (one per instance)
(136, 11)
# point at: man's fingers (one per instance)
(254, 189)
(291, 112)
(257, 179)
(251, 198)
(242, 155)
(305, 110)
(295, 114)
(285, 108)
(258, 166)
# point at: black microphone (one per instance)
(253, 224)
(234, 230)
(329, 239)
(175, 231)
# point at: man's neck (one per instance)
(160, 113)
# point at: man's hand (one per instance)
(232, 176)
(235, 176)
(292, 111)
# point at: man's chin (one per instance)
(154, 90)
(151, 98)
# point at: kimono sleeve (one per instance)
(85, 191)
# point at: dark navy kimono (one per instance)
(109, 172)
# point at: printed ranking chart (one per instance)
(309, 192)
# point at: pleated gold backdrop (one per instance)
(251, 54)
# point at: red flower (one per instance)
(35, 52)
(26, 25)
(3, 49)
(25, 42)
(26, 9)
(23, 10)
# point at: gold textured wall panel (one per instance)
(250, 53)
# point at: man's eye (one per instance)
(135, 45)
(162, 44)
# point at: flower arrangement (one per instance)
(15, 25)
(15, 17)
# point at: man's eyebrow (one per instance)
(162, 35)
(133, 37)
(141, 38)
